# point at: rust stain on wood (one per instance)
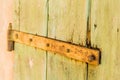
(76, 52)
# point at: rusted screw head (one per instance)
(47, 44)
(30, 39)
(68, 50)
(91, 58)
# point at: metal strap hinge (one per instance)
(79, 53)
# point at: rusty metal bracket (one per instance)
(73, 51)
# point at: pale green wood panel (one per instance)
(30, 63)
(16, 26)
(67, 22)
(105, 23)
(16, 15)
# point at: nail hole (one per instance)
(117, 30)
(30, 40)
(95, 26)
(68, 50)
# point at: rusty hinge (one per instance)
(73, 51)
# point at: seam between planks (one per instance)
(88, 34)
(47, 6)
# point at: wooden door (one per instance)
(89, 23)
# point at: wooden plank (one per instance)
(67, 22)
(16, 25)
(73, 51)
(30, 62)
(105, 23)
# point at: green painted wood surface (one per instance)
(16, 25)
(67, 22)
(31, 17)
(105, 34)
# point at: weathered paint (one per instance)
(6, 58)
(67, 22)
(62, 24)
(30, 16)
(105, 26)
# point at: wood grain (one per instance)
(67, 22)
(30, 63)
(16, 25)
(105, 23)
